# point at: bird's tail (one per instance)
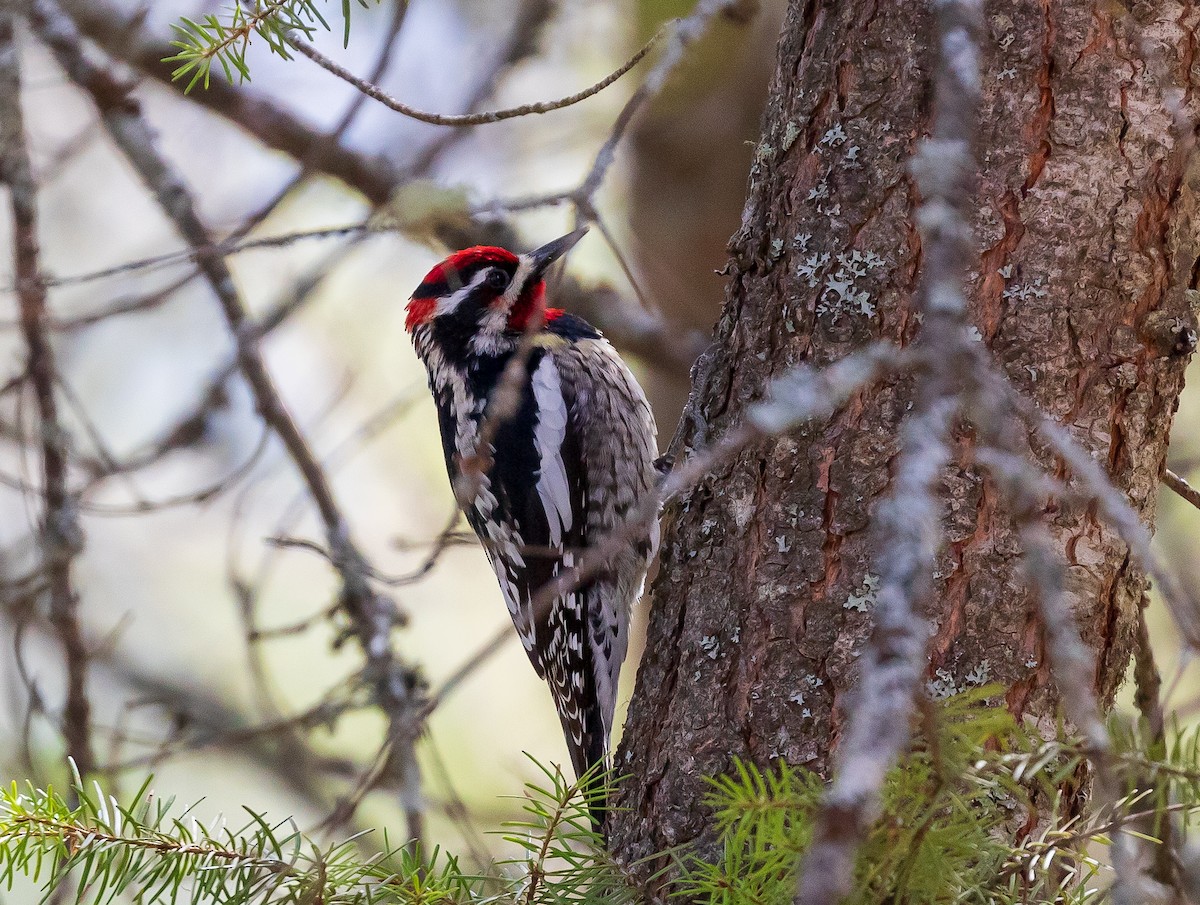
(590, 758)
(587, 735)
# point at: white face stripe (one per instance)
(554, 490)
(494, 319)
(513, 292)
(449, 303)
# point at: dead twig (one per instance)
(374, 92)
(121, 34)
(1181, 487)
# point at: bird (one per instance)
(545, 471)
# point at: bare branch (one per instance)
(191, 425)
(121, 35)
(1181, 487)
(686, 32)
(521, 42)
(1148, 700)
(376, 179)
(209, 249)
(61, 537)
(371, 614)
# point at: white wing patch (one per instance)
(552, 486)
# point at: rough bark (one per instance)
(1088, 243)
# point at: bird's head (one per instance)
(486, 291)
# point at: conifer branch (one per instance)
(212, 40)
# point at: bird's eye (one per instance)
(497, 279)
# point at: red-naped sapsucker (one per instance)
(565, 468)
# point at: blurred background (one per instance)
(207, 639)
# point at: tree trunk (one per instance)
(1088, 244)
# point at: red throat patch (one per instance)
(531, 300)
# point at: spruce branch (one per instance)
(224, 40)
(940, 835)
(158, 852)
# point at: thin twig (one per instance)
(373, 427)
(523, 32)
(193, 423)
(346, 806)
(1147, 698)
(323, 713)
(1181, 487)
(1066, 841)
(249, 223)
(61, 537)
(209, 249)
(468, 119)
(120, 33)
(689, 29)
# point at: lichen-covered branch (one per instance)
(907, 523)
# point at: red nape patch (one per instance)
(419, 311)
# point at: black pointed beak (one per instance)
(543, 257)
